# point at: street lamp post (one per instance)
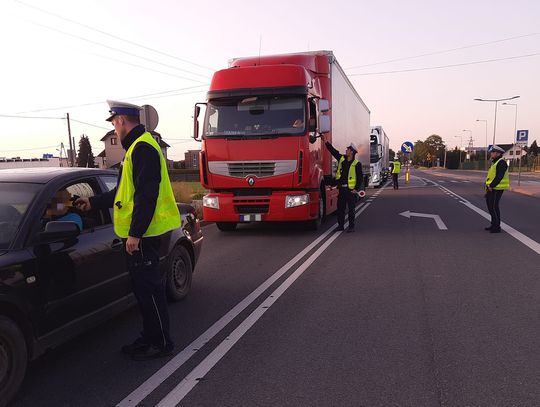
(460, 146)
(496, 102)
(470, 138)
(486, 157)
(515, 138)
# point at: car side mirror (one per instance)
(57, 231)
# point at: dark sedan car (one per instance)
(57, 280)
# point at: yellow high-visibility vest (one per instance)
(166, 215)
(505, 181)
(352, 172)
(397, 167)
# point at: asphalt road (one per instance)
(400, 313)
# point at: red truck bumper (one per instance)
(261, 208)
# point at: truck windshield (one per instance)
(374, 152)
(14, 200)
(255, 116)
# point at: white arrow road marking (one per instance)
(436, 218)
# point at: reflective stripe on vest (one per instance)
(352, 172)
(492, 172)
(166, 215)
(397, 167)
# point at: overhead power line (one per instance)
(445, 66)
(443, 51)
(121, 51)
(31, 117)
(89, 124)
(101, 102)
(28, 149)
(113, 36)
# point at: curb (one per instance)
(525, 192)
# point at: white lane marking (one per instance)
(191, 380)
(520, 237)
(436, 218)
(154, 381)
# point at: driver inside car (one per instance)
(60, 208)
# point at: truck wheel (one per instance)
(226, 226)
(315, 224)
(13, 359)
(179, 274)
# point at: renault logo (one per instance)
(251, 181)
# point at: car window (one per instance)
(14, 201)
(110, 181)
(60, 206)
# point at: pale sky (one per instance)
(51, 66)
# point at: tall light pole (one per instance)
(495, 120)
(485, 158)
(470, 140)
(515, 139)
(460, 145)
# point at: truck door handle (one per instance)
(117, 244)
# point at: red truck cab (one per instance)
(261, 157)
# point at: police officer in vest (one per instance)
(144, 209)
(349, 180)
(395, 168)
(497, 181)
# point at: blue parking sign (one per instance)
(522, 136)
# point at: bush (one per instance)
(187, 191)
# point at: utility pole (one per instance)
(70, 158)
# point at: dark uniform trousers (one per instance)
(492, 201)
(395, 180)
(346, 197)
(149, 289)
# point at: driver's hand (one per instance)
(83, 204)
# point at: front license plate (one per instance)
(251, 218)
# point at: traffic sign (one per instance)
(407, 147)
(522, 137)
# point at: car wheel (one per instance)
(13, 359)
(179, 274)
(226, 226)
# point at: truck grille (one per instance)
(259, 169)
(253, 205)
(246, 209)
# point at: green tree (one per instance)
(391, 154)
(420, 153)
(533, 150)
(85, 157)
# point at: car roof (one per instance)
(43, 175)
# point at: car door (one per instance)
(85, 275)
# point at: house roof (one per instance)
(505, 147)
(102, 154)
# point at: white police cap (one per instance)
(496, 148)
(123, 108)
(352, 146)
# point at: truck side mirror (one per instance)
(196, 113)
(324, 124)
(324, 105)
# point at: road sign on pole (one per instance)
(407, 147)
(522, 137)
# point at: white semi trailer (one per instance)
(379, 161)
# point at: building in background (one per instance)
(192, 159)
(114, 152)
(47, 161)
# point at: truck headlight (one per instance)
(296, 200)
(375, 177)
(211, 202)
